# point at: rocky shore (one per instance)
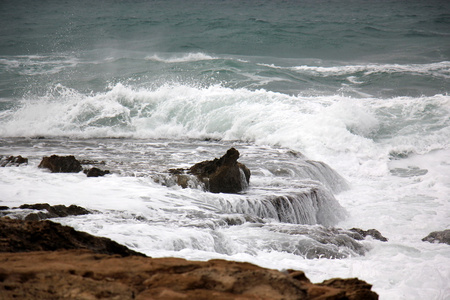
(45, 260)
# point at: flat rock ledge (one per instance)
(85, 273)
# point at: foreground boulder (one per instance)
(438, 237)
(89, 271)
(61, 164)
(223, 175)
(81, 274)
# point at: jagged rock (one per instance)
(371, 232)
(61, 164)
(56, 211)
(438, 237)
(20, 236)
(7, 161)
(222, 175)
(96, 172)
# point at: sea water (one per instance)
(340, 109)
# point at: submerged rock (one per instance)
(7, 161)
(61, 164)
(371, 232)
(438, 237)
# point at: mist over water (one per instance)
(339, 108)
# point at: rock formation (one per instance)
(438, 237)
(61, 164)
(89, 271)
(223, 175)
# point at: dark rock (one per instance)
(61, 164)
(371, 232)
(96, 172)
(438, 237)
(24, 236)
(223, 175)
(2, 207)
(56, 211)
(7, 161)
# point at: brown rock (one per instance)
(81, 274)
(61, 164)
(86, 274)
(222, 175)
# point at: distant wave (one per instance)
(37, 64)
(189, 57)
(440, 69)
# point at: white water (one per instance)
(394, 153)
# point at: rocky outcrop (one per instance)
(23, 236)
(81, 274)
(8, 161)
(438, 237)
(90, 271)
(223, 175)
(61, 164)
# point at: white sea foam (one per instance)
(189, 57)
(438, 69)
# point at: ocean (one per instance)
(340, 109)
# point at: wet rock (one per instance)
(371, 232)
(20, 236)
(223, 175)
(438, 237)
(8, 161)
(56, 211)
(96, 172)
(61, 164)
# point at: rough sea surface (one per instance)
(339, 108)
